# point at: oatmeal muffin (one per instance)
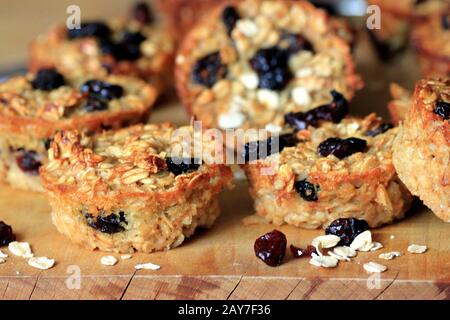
(35, 106)
(400, 104)
(253, 61)
(431, 40)
(136, 46)
(334, 170)
(132, 189)
(422, 147)
(397, 17)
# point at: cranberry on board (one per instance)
(271, 248)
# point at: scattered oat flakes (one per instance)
(20, 249)
(374, 267)
(42, 263)
(108, 260)
(345, 251)
(147, 266)
(376, 246)
(389, 255)
(3, 255)
(326, 241)
(416, 248)
(2, 260)
(125, 256)
(362, 242)
(338, 256)
(323, 261)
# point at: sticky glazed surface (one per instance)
(311, 190)
(244, 96)
(422, 148)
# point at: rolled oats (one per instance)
(108, 260)
(374, 267)
(390, 255)
(20, 249)
(362, 242)
(42, 263)
(415, 248)
(3, 255)
(126, 256)
(147, 266)
(323, 261)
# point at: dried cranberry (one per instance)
(347, 229)
(29, 162)
(6, 234)
(271, 65)
(261, 149)
(302, 253)
(110, 224)
(382, 128)
(341, 148)
(102, 90)
(307, 190)
(128, 48)
(179, 166)
(294, 42)
(229, 17)
(445, 21)
(442, 109)
(335, 111)
(90, 29)
(47, 80)
(271, 248)
(93, 104)
(208, 70)
(141, 13)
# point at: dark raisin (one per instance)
(110, 224)
(208, 70)
(307, 190)
(48, 143)
(271, 65)
(127, 48)
(294, 42)
(47, 80)
(442, 109)
(141, 13)
(229, 17)
(261, 149)
(335, 111)
(6, 234)
(181, 165)
(271, 248)
(302, 253)
(93, 104)
(102, 90)
(90, 29)
(29, 162)
(445, 21)
(341, 148)
(347, 229)
(382, 128)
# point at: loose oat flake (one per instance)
(415, 248)
(3, 255)
(345, 251)
(20, 249)
(2, 260)
(376, 246)
(147, 266)
(108, 260)
(338, 256)
(389, 255)
(125, 256)
(323, 261)
(374, 267)
(362, 242)
(324, 242)
(42, 263)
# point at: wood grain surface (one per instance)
(220, 263)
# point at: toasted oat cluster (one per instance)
(400, 104)
(431, 40)
(331, 171)
(253, 61)
(35, 106)
(139, 188)
(422, 147)
(137, 45)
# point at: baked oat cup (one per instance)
(329, 172)
(422, 147)
(35, 106)
(129, 190)
(138, 46)
(250, 62)
(431, 40)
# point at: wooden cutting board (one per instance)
(220, 263)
